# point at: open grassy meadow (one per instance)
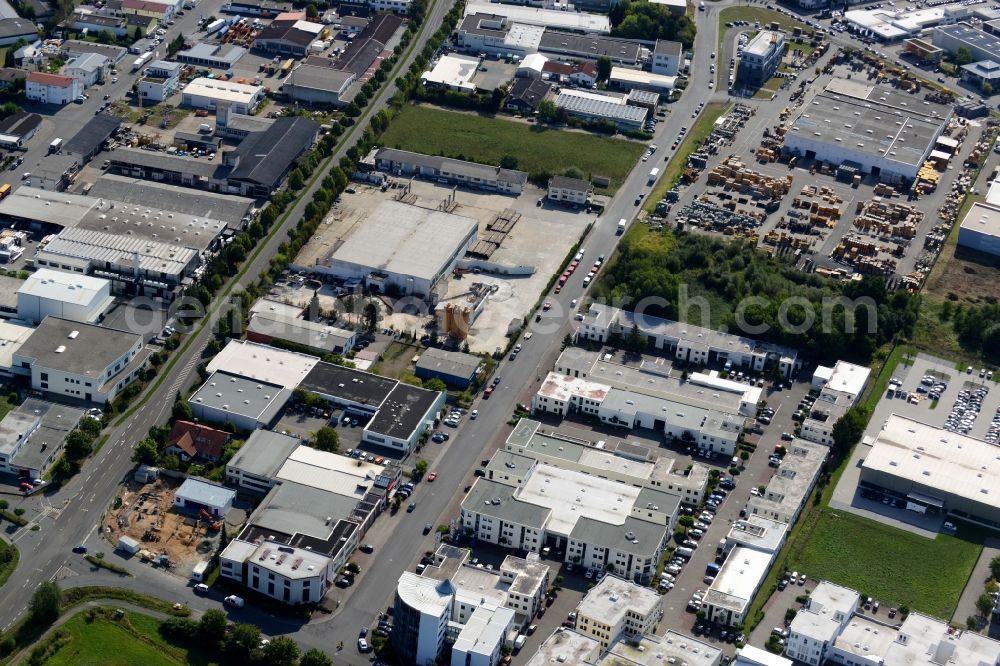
(895, 566)
(487, 140)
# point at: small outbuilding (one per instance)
(195, 495)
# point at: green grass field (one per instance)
(696, 134)
(895, 566)
(135, 639)
(487, 140)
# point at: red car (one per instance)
(558, 288)
(432, 476)
(488, 392)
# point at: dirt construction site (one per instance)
(146, 514)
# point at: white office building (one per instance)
(617, 608)
(730, 594)
(839, 388)
(667, 57)
(831, 630)
(81, 361)
(597, 523)
(687, 342)
(817, 625)
(787, 491)
(212, 94)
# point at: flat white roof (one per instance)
(984, 218)
(226, 91)
(932, 457)
(848, 378)
(739, 578)
(329, 471)
(613, 597)
(485, 629)
(549, 18)
(680, 4)
(456, 71)
(263, 362)
(749, 655)
(65, 287)
(561, 387)
(571, 495)
(636, 76)
(405, 240)
(864, 637)
(12, 336)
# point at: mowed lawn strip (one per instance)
(538, 150)
(106, 642)
(897, 567)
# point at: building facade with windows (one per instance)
(80, 361)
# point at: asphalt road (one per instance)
(70, 515)
(65, 121)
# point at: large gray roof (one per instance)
(88, 352)
(264, 453)
(265, 157)
(496, 500)
(210, 205)
(403, 410)
(241, 396)
(638, 537)
(294, 508)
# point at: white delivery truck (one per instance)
(198, 573)
(621, 226)
(653, 175)
(55, 146)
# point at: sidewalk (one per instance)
(977, 582)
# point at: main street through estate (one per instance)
(69, 516)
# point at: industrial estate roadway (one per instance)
(70, 516)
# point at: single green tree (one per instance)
(281, 651)
(315, 657)
(212, 626)
(45, 603)
(327, 439)
(242, 641)
(603, 68)
(146, 452)
(420, 468)
(182, 411)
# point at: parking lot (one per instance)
(959, 408)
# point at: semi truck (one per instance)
(141, 61)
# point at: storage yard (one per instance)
(146, 514)
(499, 277)
(838, 213)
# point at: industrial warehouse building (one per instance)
(210, 94)
(980, 229)
(75, 297)
(403, 248)
(885, 132)
(453, 368)
(982, 45)
(446, 169)
(914, 465)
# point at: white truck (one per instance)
(141, 61)
(55, 146)
(654, 173)
(198, 573)
(621, 226)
